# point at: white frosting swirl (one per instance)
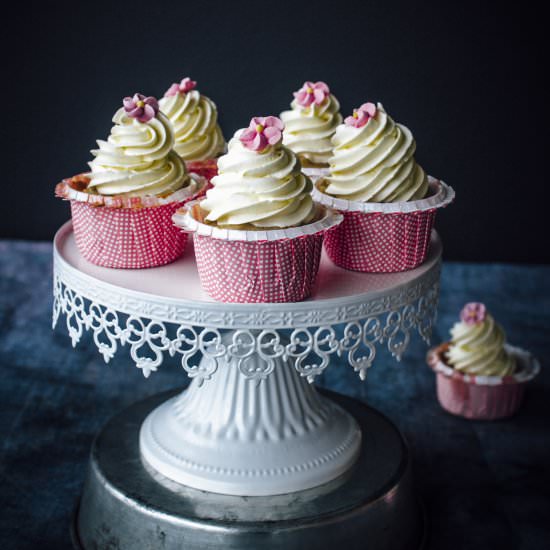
(375, 163)
(137, 159)
(195, 120)
(478, 349)
(308, 130)
(263, 189)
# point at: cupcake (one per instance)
(258, 234)
(122, 209)
(310, 125)
(199, 139)
(388, 201)
(479, 375)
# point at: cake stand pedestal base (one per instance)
(127, 504)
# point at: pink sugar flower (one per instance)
(361, 115)
(310, 92)
(262, 132)
(369, 108)
(473, 313)
(141, 107)
(186, 85)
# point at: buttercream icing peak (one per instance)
(477, 344)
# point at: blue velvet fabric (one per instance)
(485, 485)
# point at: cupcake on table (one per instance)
(258, 234)
(478, 374)
(122, 209)
(388, 201)
(310, 125)
(198, 137)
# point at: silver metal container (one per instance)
(126, 505)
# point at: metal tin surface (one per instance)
(125, 505)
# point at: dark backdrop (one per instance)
(462, 75)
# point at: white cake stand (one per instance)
(250, 424)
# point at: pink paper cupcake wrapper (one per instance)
(135, 237)
(204, 168)
(127, 238)
(482, 397)
(260, 266)
(263, 271)
(376, 237)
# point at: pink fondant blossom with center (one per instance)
(141, 107)
(186, 85)
(262, 132)
(473, 313)
(361, 115)
(312, 93)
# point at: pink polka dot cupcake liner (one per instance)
(126, 232)
(277, 265)
(482, 397)
(205, 168)
(383, 237)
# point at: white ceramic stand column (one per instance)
(238, 436)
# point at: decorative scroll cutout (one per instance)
(386, 320)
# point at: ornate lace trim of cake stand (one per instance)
(154, 327)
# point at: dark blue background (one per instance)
(464, 76)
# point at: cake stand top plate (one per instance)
(173, 293)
